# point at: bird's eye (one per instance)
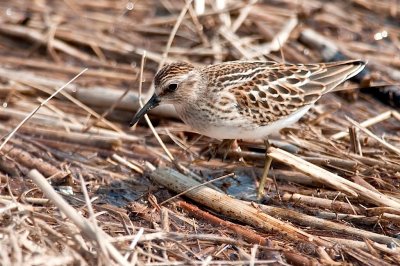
(172, 87)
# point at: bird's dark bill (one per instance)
(153, 102)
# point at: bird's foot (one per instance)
(215, 149)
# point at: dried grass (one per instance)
(333, 197)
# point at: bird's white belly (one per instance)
(257, 132)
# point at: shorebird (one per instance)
(245, 99)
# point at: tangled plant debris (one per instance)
(78, 186)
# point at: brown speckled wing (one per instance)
(268, 91)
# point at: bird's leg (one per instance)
(226, 146)
(235, 147)
(267, 165)
(221, 148)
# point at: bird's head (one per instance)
(175, 83)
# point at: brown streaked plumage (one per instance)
(245, 99)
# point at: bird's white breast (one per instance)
(235, 130)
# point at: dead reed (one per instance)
(77, 186)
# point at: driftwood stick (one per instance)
(335, 205)
(354, 219)
(363, 245)
(244, 232)
(331, 179)
(228, 206)
(320, 174)
(314, 222)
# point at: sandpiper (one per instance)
(245, 99)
